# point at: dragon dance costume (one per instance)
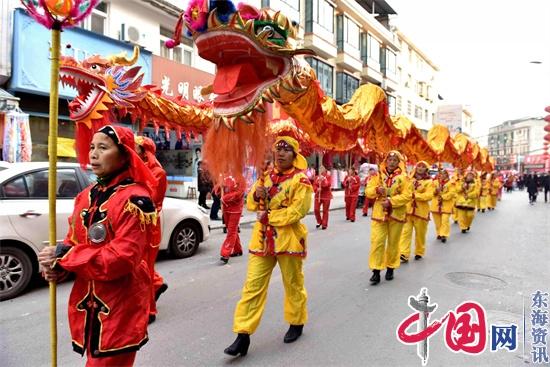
(323, 196)
(418, 215)
(467, 193)
(442, 205)
(232, 205)
(158, 193)
(107, 247)
(279, 238)
(351, 184)
(387, 224)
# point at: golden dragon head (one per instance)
(103, 85)
(254, 51)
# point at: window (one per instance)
(391, 105)
(373, 47)
(181, 54)
(15, 188)
(345, 87)
(97, 22)
(426, 115)
(418, 112)
(320, 12)
(398, 105)
(409, 108)
(348, 32)
(324, 74)
(391, 60)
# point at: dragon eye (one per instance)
(267, 28)
(94, 67)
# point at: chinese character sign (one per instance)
(539, 327)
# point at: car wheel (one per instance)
(15, 272)
(184, 240)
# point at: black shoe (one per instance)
(352, 220)
(468, 229)
(463, 231)
(224, 229)
(438, 237)
(160, 291)
(206, 207)
(389, 274)
(215, 218)
(417, 257)
(456, 221)
(323, 227)
(239, 346)
(443, 239)
(478, 210)
(238, 229)
(293, 333)
(317, 225)
(235, 254)
(365, 215)
(483, 210)
(152, 318)
(375, 279)
(403, 259)
(224, 259)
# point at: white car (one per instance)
(24, 219)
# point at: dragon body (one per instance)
(260, 69)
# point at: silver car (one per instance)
(24, 219)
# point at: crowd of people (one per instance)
(115, 234)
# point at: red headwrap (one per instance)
(124, 137)
(149, 147)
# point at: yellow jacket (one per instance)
(443, 202)
(288, 203)
(423, 192)
(466, 199)
(494, 186)
(398, 190)
(485, 188)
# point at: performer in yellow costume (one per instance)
(457, 176)
(391, 190)
(442, 204)
(418, 213)
(483, 193)
(494, 187)
(467, 192)
(279, 237)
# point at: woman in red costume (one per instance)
(232, 205)
(107, 248)
(323, 196)
(146, 149)
(351, 183)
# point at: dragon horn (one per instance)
(121, 59)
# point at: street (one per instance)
(498, 264)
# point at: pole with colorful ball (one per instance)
(56, 15)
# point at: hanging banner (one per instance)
(17, 145)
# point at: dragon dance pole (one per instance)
(52, 176)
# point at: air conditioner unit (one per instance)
(130, 33)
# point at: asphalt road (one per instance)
(499, 264)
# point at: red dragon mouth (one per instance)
(244, 70)
(89, 87)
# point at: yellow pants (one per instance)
(455, 214)
(420, 227)
(384, 244)
(492, 201)
(442, 226)
(465, 218)
(483, 200)
(251, 306)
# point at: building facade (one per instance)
(456, 117)
(417, 95)
(514, 140)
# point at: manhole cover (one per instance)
(476, 280)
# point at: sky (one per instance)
(483, 49)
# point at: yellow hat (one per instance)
(299, 161)
(394, 153)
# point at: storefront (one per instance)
(178, 157)
(536, 163)
(30, 79)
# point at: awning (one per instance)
(7, 101)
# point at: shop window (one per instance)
(97, 22)
(182, 54)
